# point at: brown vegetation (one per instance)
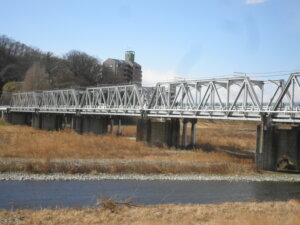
(129, 131)
(231, 135)
(41, 148)
(251, 213)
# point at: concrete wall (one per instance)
(36, 121)
(19, 118)
(159, 132)
(278, 148)
(81, 124)
(90, 124)
(51, 121)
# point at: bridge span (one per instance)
(167, 106)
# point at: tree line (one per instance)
(24, 68)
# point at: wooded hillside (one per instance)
(24, 68)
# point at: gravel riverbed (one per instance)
(268, 176)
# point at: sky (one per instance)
(190, 39)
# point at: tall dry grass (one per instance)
(26, 142)
(42, 149)
(231, 135)
(129, 131)
(251, 213)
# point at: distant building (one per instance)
(122, 71)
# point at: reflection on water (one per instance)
(22, 194)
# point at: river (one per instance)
(42, 194)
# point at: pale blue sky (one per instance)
(190, 38)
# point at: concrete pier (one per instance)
(278, 147)
(36, 121)
(184, 137)
(159, 132)
(19, 118)
(89, 124)
(50, 122)
(193, 133)
(119, 129)
(111, 126)
(184, 134)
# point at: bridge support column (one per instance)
(111, 126)
(193, 133)
(159, 133)
(143, 130)
(3, 115)
(36, 121)
(119, 129)
(175, 132)
(277, 147)
(77, 122)
(184, 134)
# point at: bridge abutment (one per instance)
(159, 133)
(278, 147)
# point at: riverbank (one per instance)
(266, 176)
(109, 212)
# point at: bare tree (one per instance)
(87, 69)
(62, 77)
(36, 78)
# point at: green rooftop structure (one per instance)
(129, 56)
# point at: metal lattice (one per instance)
(238, 98)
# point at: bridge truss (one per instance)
(238, 98)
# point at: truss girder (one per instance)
(223, 98)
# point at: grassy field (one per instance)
(251, 213)
(41, 148)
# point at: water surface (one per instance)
(35, 194)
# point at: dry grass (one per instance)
(253, 213)
(41, 148)
(2, 122)
(111, 204)
(233, 135)
(129, 131)
(140, 167)
(26, 142)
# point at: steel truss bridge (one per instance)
(236, 98)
